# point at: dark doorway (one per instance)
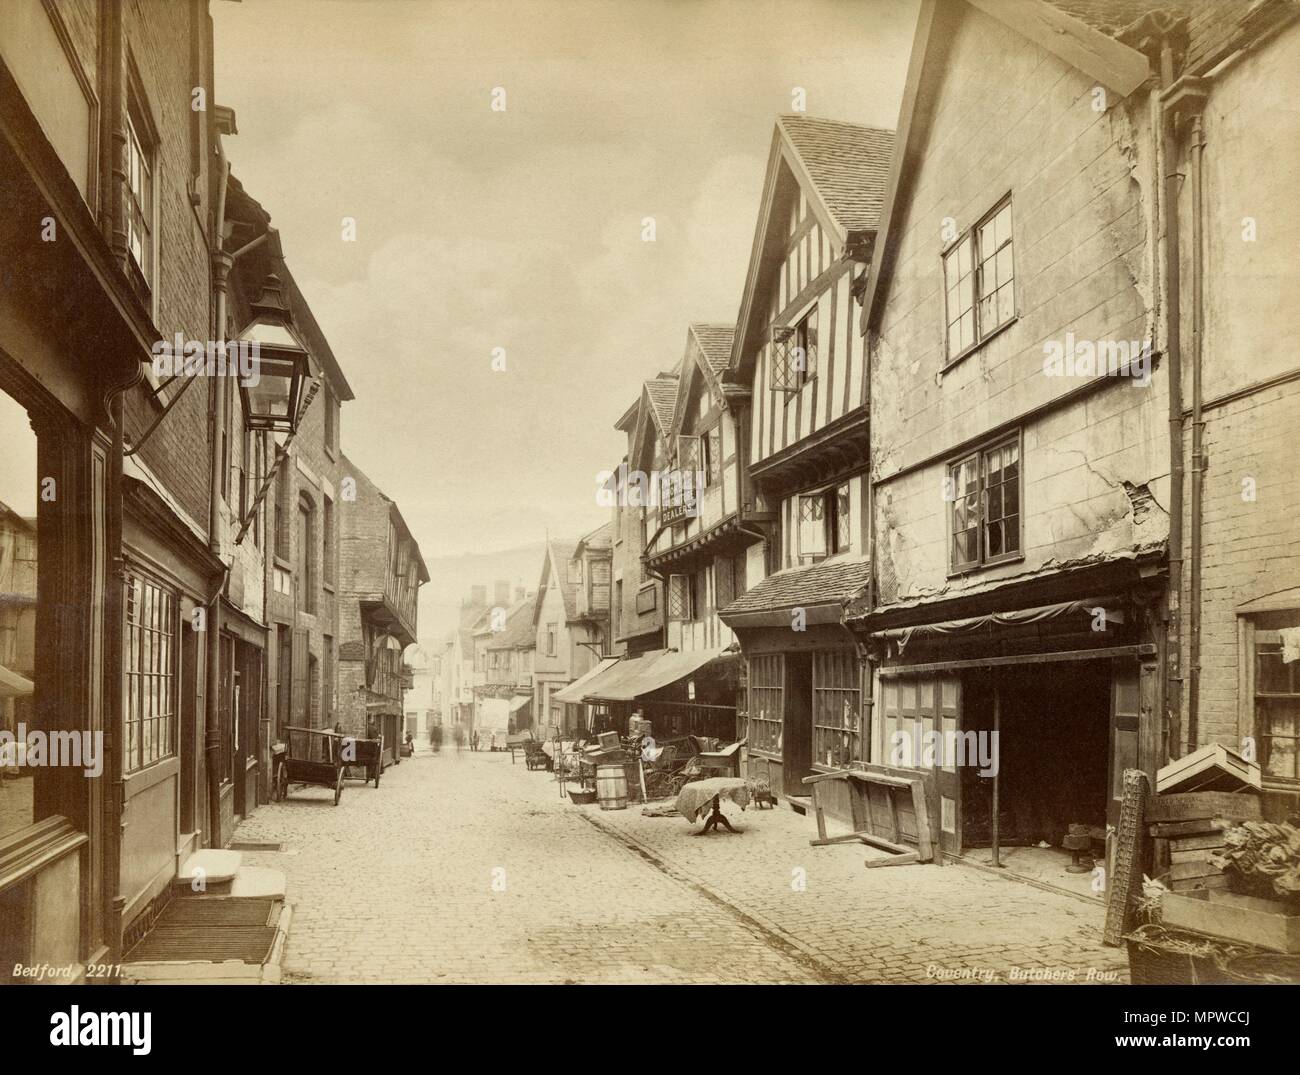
(796, 746)
(1052, 749)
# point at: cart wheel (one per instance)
(379, 771)
(281, 784)
(338, 788)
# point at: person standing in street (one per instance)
(473, 741)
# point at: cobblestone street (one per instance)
(466, 868)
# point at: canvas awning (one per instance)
(517, 704)
(669, 667)
(572, 694)
(601, 687)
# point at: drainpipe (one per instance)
(113, 225)
(114, 684)
(1173, 668)
(1198, 447)
(221, 263)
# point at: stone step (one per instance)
(212, 868)
(258, 882)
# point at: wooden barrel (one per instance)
(611, 787)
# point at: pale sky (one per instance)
(478, 229)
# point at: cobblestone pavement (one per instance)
(401, 884)
(920, 923)
(466, 868)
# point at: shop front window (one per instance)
(1277, 703)
(149, 709)
(766, 702)
(837, 708)
(18, 566)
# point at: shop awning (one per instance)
(668, 668)
(572, 694)
(13, 684)
(517, 704)
(1038, 614)
(601, 688)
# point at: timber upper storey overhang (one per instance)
(728, 535)
(833, 451)
(108, 326)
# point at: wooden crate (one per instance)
(1212, 768)
(1192, 805)
(1247, 919)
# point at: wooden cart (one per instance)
(365, 754)
(312, 758)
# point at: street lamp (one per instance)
(272, 395)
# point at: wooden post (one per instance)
(997, 746)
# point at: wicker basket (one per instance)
(1263, 968)
(583, 796)
(1160, 956)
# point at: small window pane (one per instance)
(1004, 225)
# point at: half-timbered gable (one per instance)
(698, 545)
(637, 603)
(797, 348)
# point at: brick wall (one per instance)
(364, 528)
(1250, 548)
(313, 469)
(177, 453)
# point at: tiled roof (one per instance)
(471, 617)
(519, 630)
(1111, 17)
(848, 163)
(600, 538)
(818, 584)
(663, 398)
(715, 343)
(1214, 28)
(561, 553)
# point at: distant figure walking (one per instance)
(473, 741)
(459, 735)
(492, 743)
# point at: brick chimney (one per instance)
(478, 596)
(519, 594)
(501, 593)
